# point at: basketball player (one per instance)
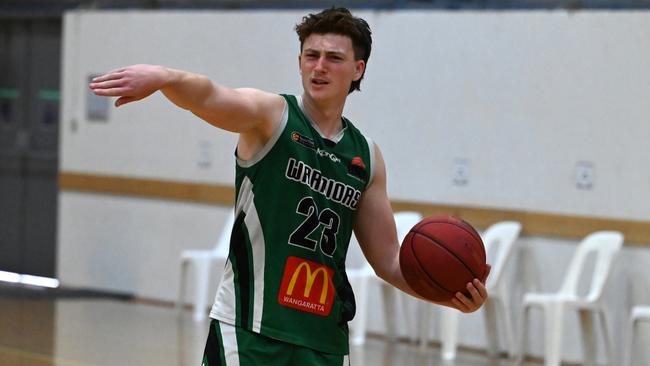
(305, 178)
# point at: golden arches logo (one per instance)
(307, 286)
(311, 278)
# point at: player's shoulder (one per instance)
(270, 107)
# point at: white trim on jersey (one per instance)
(224, 303)
(229, 340)
(371, 148)
(223, 308)
(336, 138)
(258, 245)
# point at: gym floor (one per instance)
(42, 327)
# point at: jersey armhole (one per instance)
(269, 144)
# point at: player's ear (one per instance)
(359, 68)
(299, 59)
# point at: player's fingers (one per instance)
(469, 304)
(112, 92)
(111, 75)
(459, 305)
(108, 84)
(476, 296)
(482, 291)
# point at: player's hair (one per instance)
(339, 21)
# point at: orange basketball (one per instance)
(440, 255)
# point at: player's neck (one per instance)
(326, 115)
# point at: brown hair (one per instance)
(339, 21)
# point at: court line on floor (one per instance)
(40, 357)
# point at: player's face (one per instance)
(328, 67)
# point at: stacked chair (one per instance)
(202, 261)
(604, 245)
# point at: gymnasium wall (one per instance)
(509, 105)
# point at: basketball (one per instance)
(440, 255)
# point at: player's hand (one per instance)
(478, 293)
(130, 83)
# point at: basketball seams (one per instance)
(446, 256)
(462, 224)
(458, 259)
(442, 245)
(470, 229)
(454, 221)
(420, 269)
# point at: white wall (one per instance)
(522, 96)
(130, 245)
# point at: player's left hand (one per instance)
(478, 293)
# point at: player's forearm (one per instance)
(393, 275)
(187, 90)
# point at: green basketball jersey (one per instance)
(296, 204)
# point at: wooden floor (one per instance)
(39, 329)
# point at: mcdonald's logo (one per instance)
(311, 277)
(307, 286)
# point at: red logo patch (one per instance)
(357, 168)
(307, 286)
(356, 161)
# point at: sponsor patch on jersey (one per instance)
(303, 140)
(307, 286)
(357, 169)
(327, 154)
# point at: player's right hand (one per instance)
(129, 83)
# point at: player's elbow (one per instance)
(388, 273)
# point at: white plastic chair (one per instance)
(639, 313)
(361, 274)
(498, 239)
(202, 260)
(605, 245)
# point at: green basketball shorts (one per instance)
(228, 345)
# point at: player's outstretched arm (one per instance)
(236, 110)
(377, 235)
